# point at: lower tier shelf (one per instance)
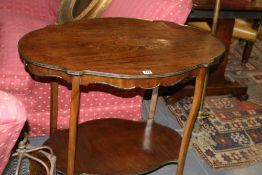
(117, 146)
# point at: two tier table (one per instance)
(125, 53)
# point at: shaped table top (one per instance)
(120, 47)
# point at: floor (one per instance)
(194, 165)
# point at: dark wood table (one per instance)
(125, 53)
(230, 9)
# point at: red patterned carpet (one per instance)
(233, 128)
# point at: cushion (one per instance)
(169, 10)
(12, 72)
(43, 9)
(12, 119)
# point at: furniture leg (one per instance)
(201, 113)
(153, 103)
(53, 107)
(74, 109)
(191, 120)
(217, 81)
(247, 52)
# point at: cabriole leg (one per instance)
(191, 120)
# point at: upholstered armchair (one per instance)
(12, 120)
(20, 17)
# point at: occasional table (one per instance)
(125, 53)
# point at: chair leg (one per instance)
(247, 52)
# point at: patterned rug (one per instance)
(233, 129)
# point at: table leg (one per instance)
(217, 81)
(153, 103)
(202, 114)
(151, 114)
(74, 110)
(247, 52)
(191, 120)
(53, 107)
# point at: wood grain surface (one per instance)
(120, 48)
(115, 146)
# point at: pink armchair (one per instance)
(12, 119)
(19, 17)
(167, 10)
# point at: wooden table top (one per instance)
(254, 5)
(120, 47)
